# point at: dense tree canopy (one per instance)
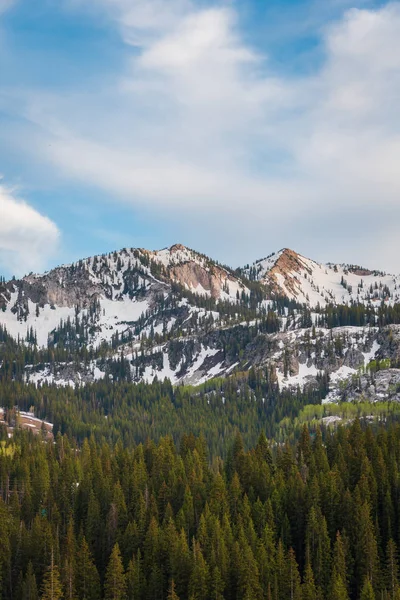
(319, 520)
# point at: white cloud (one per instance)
(140, 21)
(198, 121)
(27, 238)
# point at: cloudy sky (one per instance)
(235, 128)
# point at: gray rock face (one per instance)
(354, 358)
(389, 341)
(372, 387)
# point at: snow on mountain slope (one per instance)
(197, 366)
(287, 273)
(341, 352)
(47, 320)
(177, 313)
(114, 293)
(294, 358)
(106, 292)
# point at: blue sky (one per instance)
(233, 128)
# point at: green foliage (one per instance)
(249, 403)
(115, 581)
(367, 591)
(314, 519)
(51, 587)
(29, 589)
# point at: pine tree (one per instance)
(318, 547)
(199, 579)
(87, 577)
(289, 584)
(68, 565)
(248, 575)
(263, 450)
(172, 595)
(115, 581)
(308, 589)
(181, 564)
(339, 560)
(29, 589)
(217, 585)
(367, 591)
(51, 587)
(134, 578)
(366, 546)
(338, 589)
(392, 568)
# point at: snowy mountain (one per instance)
(301, 279)
(114, 293)
(176, 313)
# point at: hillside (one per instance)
(308, 282)
(138, 314)
(114, 292)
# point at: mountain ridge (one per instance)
(179, 314)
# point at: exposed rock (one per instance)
(371, 387)
(389, 340)
(354, 358)
(286, 273)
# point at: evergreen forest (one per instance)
(92, 515)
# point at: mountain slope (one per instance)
(114, 293)
(289, 274)
(138, 314)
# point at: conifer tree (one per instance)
(290, 586)
(134, 578)
(367, 592)
(181, 564)
(392, 568)
(367, 546)
(29, 589)
(172, 595)
(308, 589)
(87, 577)
(217, 585)
(318, 547)
(338, 589)
(263, 450)
(280, 571)
(68, 570)
(115, 581)
(51, 587)
(339, 560)
(199, 579)
(248, 576)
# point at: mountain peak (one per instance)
(288, 261)
(288, 273)
(178, 248)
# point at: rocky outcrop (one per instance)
(371, 387)
(389, 342)
(197, 273)
(285, 275)
(196, 278)
(64, 287)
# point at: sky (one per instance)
(235, 128)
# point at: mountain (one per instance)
(176, 313)
(113, 291)
(289, 274)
